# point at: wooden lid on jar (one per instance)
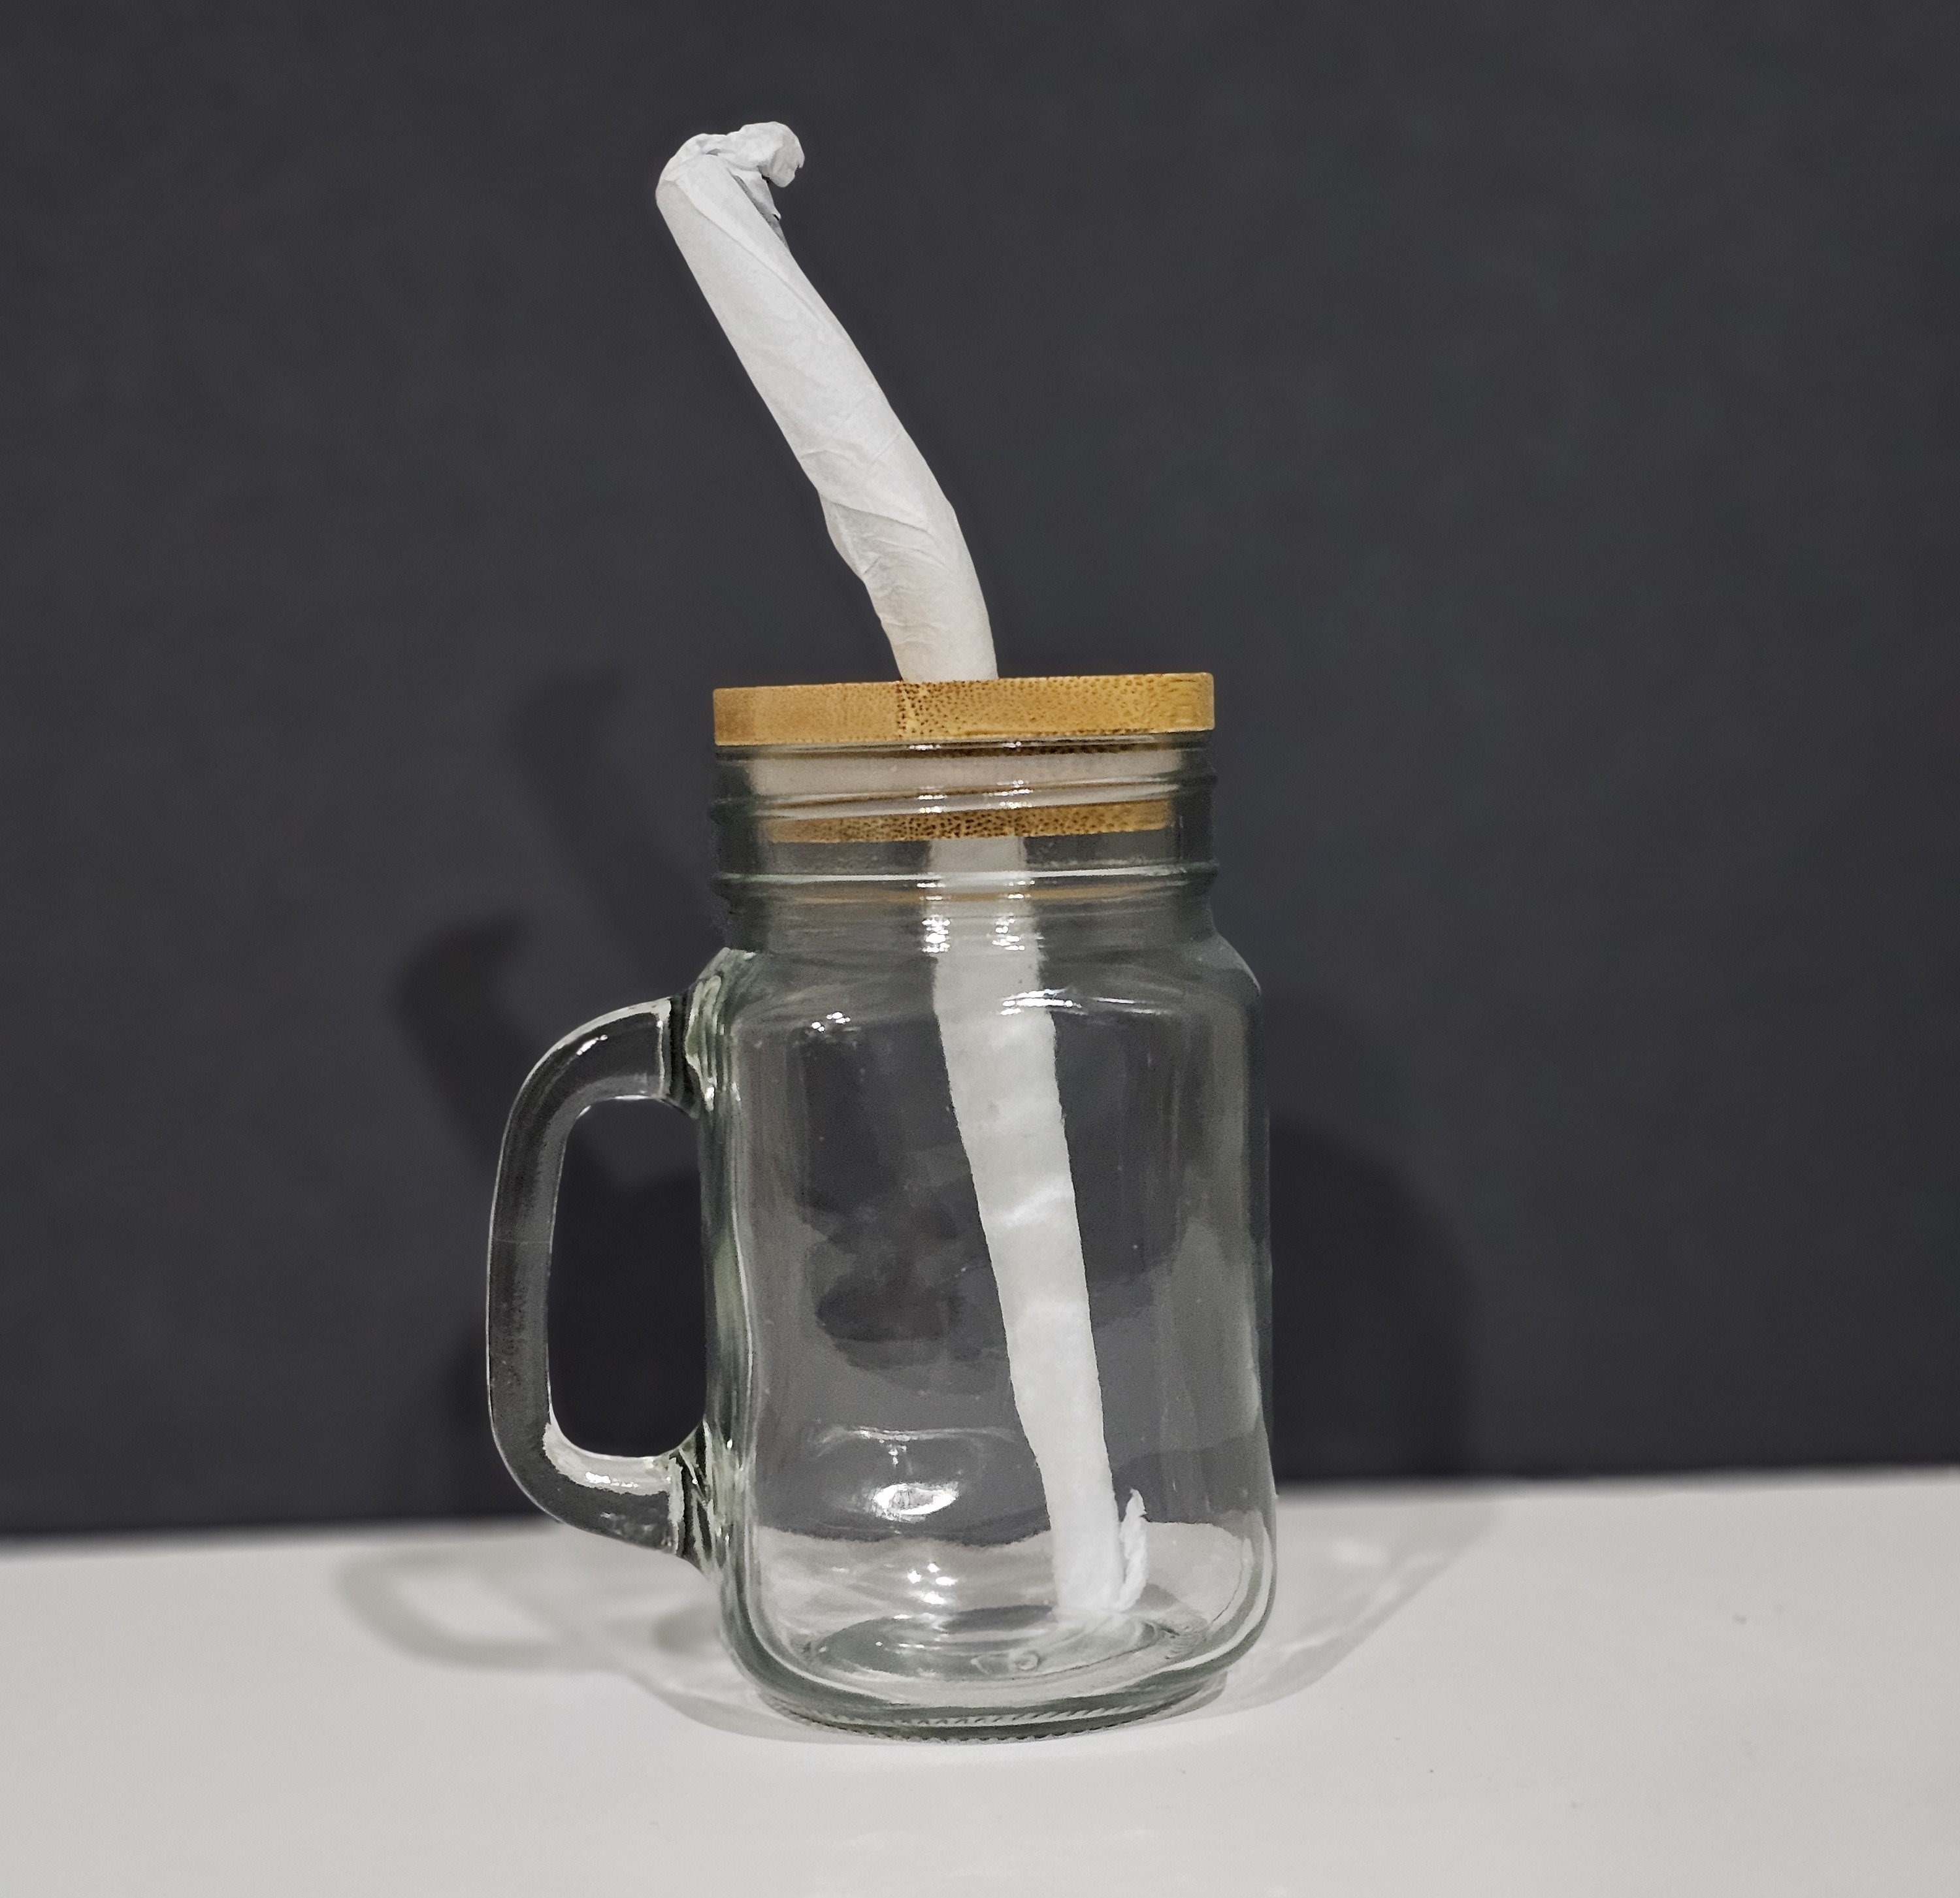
(911, 712)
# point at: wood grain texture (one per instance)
(909, 712)
(995, 820)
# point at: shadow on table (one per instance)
(545, 1599)
(1347, 1562)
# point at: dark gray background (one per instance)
(1540, 417)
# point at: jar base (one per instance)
(971, 1726)
(1001, 1672)
(985, 1644)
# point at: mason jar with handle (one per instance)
(957, 1341)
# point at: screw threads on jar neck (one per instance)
(1094, 819)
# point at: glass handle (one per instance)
(661, 1502)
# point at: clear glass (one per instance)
(862, 1486)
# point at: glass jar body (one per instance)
(886, 1558)
(983, 1168)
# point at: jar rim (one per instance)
(918, 711)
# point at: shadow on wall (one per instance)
(1370, 1302)
(1370, 1306)
(627, 1342)
(557, 737)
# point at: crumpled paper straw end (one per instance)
(771, 150)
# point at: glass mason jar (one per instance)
(983, 1158)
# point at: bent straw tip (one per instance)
(767, 148)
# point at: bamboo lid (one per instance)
(903, 711)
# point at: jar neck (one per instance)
(824, 847)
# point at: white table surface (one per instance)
(1717, 1687)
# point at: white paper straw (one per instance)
(897, 531)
